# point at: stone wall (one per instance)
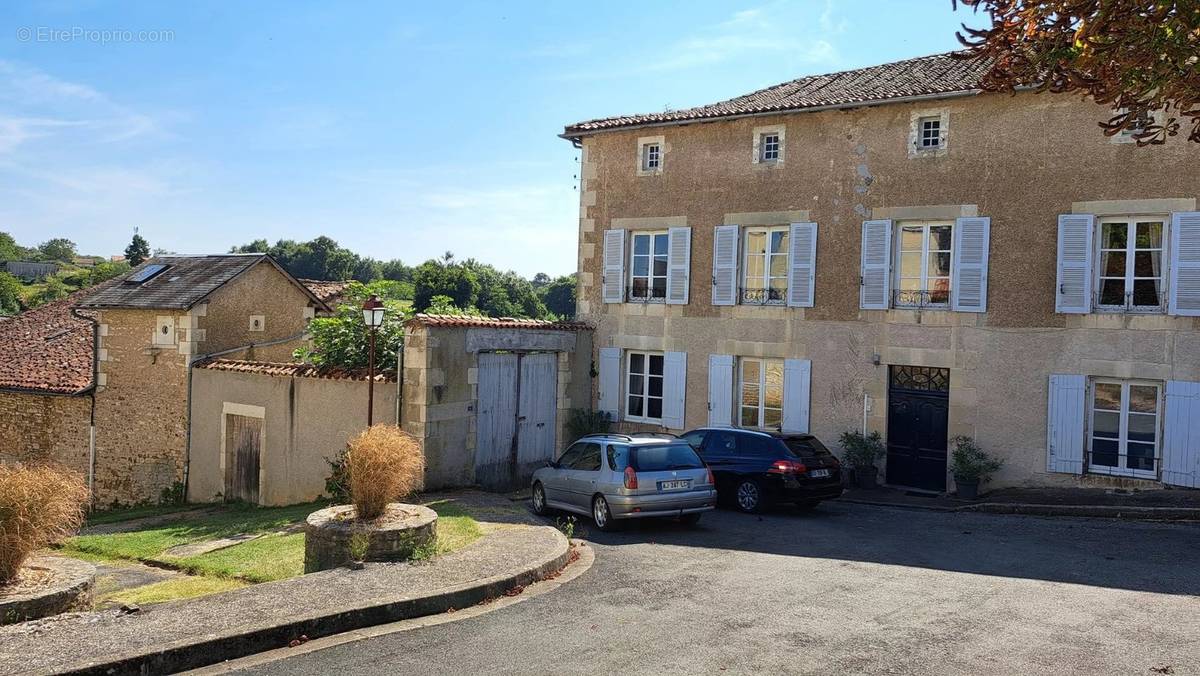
(37, 427)
(263, 295)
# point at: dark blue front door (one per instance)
(918, 417)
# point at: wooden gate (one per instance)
(243, 447)
(515, 427)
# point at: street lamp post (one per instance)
(372, 310)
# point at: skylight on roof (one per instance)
(146, 273)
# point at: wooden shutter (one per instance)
(613, 280)
(1181, 436)
(969, 268)
(1185, 264)
(720, 390)
(674, 388)
(802, 264)
(797, 379)
(1074, 291)
(610, 380)
(725, 260)
(679, 265)
(875, 284)
(1065, 423)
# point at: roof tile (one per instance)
(497, 322)
(47, 349)
(293, 369)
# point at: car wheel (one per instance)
(539, 500)
(602, 515)
(749, 496)
(690, 519)
(807, 505)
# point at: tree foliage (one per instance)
(1137, 57)
(59, 249)
(323, 258)
(10, 294)
(342, 340)
(559, 297)
(138, 250)
(10, 250)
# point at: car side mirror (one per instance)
(551, 464)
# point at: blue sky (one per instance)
(400, 129)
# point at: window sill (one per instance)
(644, 421)
(1122, 472)
(1102, 310)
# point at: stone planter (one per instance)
(394, 536)
(864, 476)
(49, 585)
(967, 489)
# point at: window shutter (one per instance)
(802, 264)
(679, 264)
(969, 269)
(674, 387)
(797, 379)
(1074, 293)
(1181, 437)
(1185, 264)
(875, 284)
(725, 259)
(613, 280)
(720, 390)
(610, 380)
(1065, 424)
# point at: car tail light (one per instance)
(630, 479)
(787, 467)
(711, 481)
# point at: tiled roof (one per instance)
(293, 369)
(46, 350)
(497, 323)
(922, 76)
(325, 290)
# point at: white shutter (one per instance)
(613, 280)
(876, 282)
(725, 260)
(802, 264)
(1065, 423)
(610, 380)
(969, 268)
(720, 390)
(1185, 264)
(797, 385)
(1074, 292)
(1181, 437)
(679, 265)
(674, 387)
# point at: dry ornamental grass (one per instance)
(39, 506)
(384, 464)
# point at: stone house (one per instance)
(893, 249)
(102, 381)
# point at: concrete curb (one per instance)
(1129, 512)
(209, 650)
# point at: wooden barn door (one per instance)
(515, 427)
(243, 446)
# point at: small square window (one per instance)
(769, 148)
(258, 323)
(930, 132)
(651, 157)
(164, 331)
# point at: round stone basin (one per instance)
(400, 531)
(47, 585)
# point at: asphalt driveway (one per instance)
(845, 589)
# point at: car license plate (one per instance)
(819, 473)
(674, 485)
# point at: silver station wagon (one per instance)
(612, 477)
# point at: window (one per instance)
(164, 331)
(618, 457)
(665, 457)
(761, 393)
(923, 269)
(648, 267)
(1130, 276)
(644, 387)
(768, 146)
(929, 133)
(651, 157)
(1124, 428)
(588, 458)
(766, 278)
(572, 454)
(695, 438)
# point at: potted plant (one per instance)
(971, 466)
(861, 451)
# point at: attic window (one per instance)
(146, 273)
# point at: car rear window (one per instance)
(806, 447)
(663, 458)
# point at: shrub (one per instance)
(39, 506)
(862, 450)
(384, 464)
(584, 421)
(969, 462)
(337, 484)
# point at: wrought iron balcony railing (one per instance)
(764, 296)
(633, 295)
(920, 299)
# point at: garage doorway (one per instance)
(918, 424)
(517, 417)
